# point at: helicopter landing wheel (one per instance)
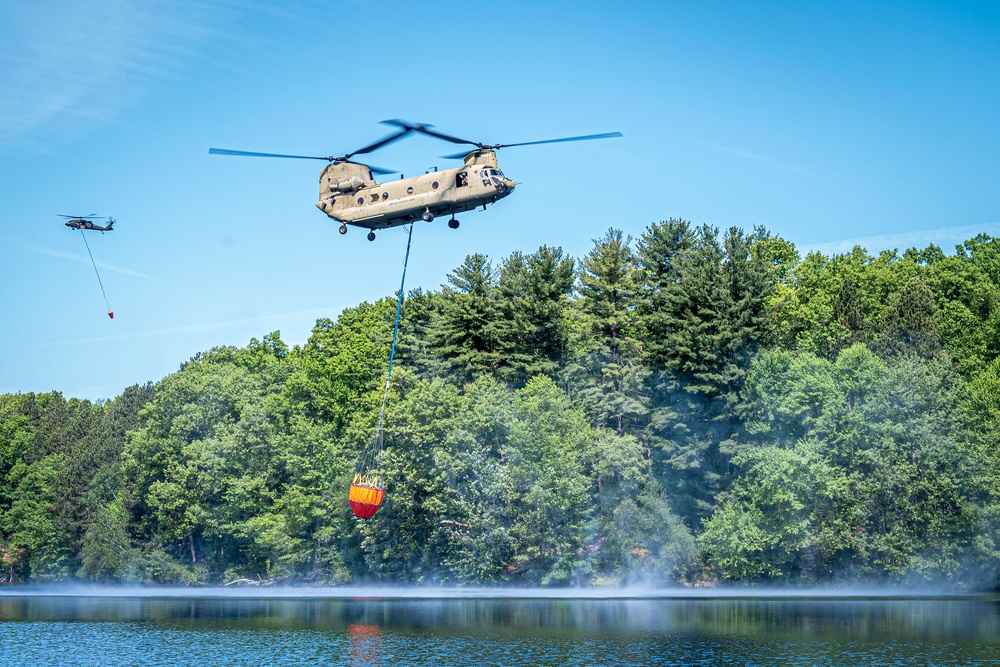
(453, 223)
(342, 229)
(371, 236)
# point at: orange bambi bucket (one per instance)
(366, 496)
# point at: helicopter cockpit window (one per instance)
(495, 178)
(462, 179)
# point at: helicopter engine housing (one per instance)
(351, 185)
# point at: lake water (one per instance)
(120, 627)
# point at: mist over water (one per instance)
(458, 627)
(470, 592)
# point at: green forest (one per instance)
(690, 407)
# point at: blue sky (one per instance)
(828, 123)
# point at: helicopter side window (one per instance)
(462, 179)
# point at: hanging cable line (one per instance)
(368, 487)
(111, 313)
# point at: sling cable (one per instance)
(111, 313)
(368, 487)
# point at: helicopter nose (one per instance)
(510, 184)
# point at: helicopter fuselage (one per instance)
(81, 224)
(350, 195)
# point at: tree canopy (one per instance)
(687, 407)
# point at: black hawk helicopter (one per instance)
(350, 195)
(82, 222)
(86, 222)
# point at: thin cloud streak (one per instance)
(945, 237)
(190, 329)
(763, 159)
(69, 66)
(100, 264)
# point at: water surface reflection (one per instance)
(508, 631)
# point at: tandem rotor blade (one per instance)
(375, 145)
(606, 135)
(226, 151)
(424, 129)
(380, 143)
(329, 158)
(586, 137)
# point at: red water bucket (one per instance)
(365, 497)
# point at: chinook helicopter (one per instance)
(82, 222)
(350, 195)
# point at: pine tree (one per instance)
(909, 322)
(609, 367)
(533, 292)
(466, 336)
(704, 313)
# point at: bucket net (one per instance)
(368, 486)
